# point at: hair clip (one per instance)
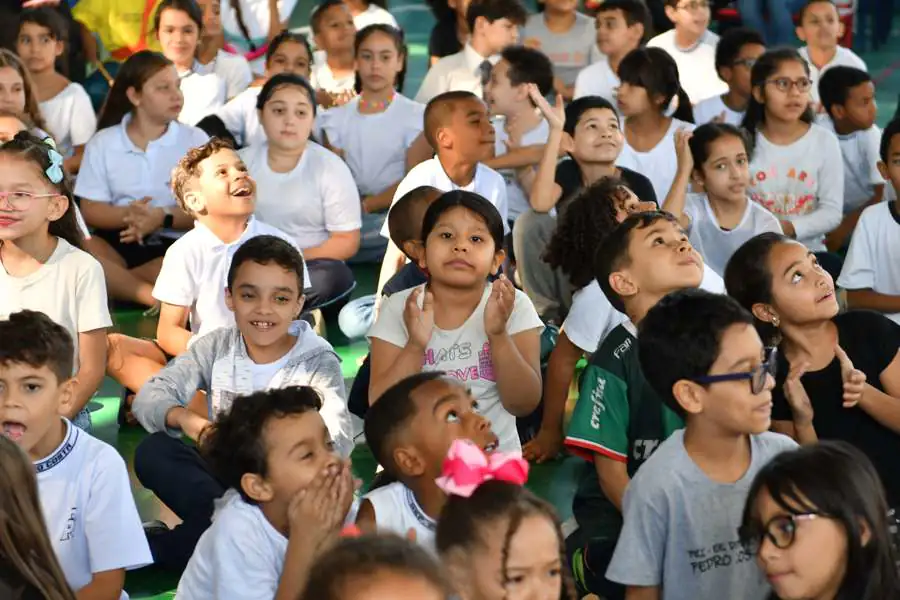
(467, 467)
(54, 171)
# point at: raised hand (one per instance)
(499, 306)
(854, 379)
(683, 150)
(311, 510)
(798, 400)
(419, 321)
(556, 114)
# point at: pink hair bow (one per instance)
(467, 467)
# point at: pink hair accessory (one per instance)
(467, 467)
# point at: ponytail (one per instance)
(242, 25)
(655, 71)
(767, 65)
(684, 111)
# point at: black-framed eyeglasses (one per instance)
(779, 530)
(757, 376)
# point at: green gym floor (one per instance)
(554, 481)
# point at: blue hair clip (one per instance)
(54, 171)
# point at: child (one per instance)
(451, 32)
(567, 37)
(494, 25)
(123, 181)
(497, 539)
(717, 157)
(847, 363)
(210, 183)
(214, 55)
(458, 128)
(693, 47)
(796, 172)
(655, 106)
(28, 566)
(287, 53)
(870, 275)
(702, 355)
(305, 188)
(737, 52)
(621, 27)
(410, 429)
(848, 99)
(85, 495)
(821, 29)
(816, 520)
(43, 265)
(64, 104)
(18, 93)
(377, 567)
(289, 495)
(266, 349)
(367, 13)
(373, 131)
(488, 334)
(334, 78)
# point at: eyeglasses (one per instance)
(694, 5)
(745, 62)
(784, 84)
(21, 200)
(758, 376)
(779, 530)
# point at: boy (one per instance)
(737, 52)
(590, 133)
(410, 430)
(621, 27)
(494, 25)
(700, 352)
(821, 28)
(334, 71)
(293, 495)
(848, 99)
(190, 285)
(693, 47)
(268, 348)
(85, 494)
(871, 273)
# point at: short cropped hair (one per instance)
(402, 224)
(576, 109)
(892, 129)
(801, 14)
(732, 42)
(635, 11)
(836, 83)
(32, 338)
(681, 338)
(265, 249)
(439, 111)
(494, 10)
(188, 168)
(527, 65)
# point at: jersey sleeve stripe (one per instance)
(586, 449)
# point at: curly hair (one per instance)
(584, 223)
(189, 167)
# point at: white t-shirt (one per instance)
(374, 15)
(323, 78)
(873, 259)
(194, 273)
(89, 510)
(256, 18)
(318, 197)
(802, 182)
(713, 108)
(592, 317)
(597, 79)
(240, 556)
(464, 353)
(487, 182)
(844, 57)
(397, 511)
(516, 197)
(241, 118)
(263, 373)
(233, 69)
(860, 151)
(696, 66)
(204, 91)
(70, 118)
(660, 164)
(69, 288)
(716, 245)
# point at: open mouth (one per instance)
(13, 430)
(827, 296)
(263, 325)
(243, 191)
(491, 446)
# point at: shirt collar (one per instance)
(169, 138)
(473, 60)
(62, 451)
(217, 244)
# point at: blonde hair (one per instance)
(188, 167)
(24, 541)
(32, 109)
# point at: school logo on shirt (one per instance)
(69, 533)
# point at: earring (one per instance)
(776, 321)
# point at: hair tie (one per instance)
(54, 171)
(467, 467)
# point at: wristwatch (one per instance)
(169, 219)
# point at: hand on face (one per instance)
(318, 511)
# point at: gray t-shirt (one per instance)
(569, 52)
(680, 528)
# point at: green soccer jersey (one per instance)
(619, 416)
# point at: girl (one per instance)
(484, 333)
(123, 181)
(17, 92)
(64, 104)
(377, 567)
(498, 540)
(334, 72)
(847, 363)
(29, 569)
(572, 37)
(797, 171)
(655, 106)
(304, 188)
(215, 55)
(43, 266)
(367, 13)
(717, 156)
(356, 131)
(817, 522)
(451, 31)
(287, 53)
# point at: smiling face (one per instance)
(378, 62)
(725, 174)
(31, 400)
(224, 187)
(821, 26)
(337, 29)
(287, 118)
(598, 137)
(788, 104)
(459, 251)
(37, 47)
(265, 299)
(160, 99)
(690, 16)
(802, 291)
(30, 201)
(178, 37)
(12, 90)
(500, 94)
